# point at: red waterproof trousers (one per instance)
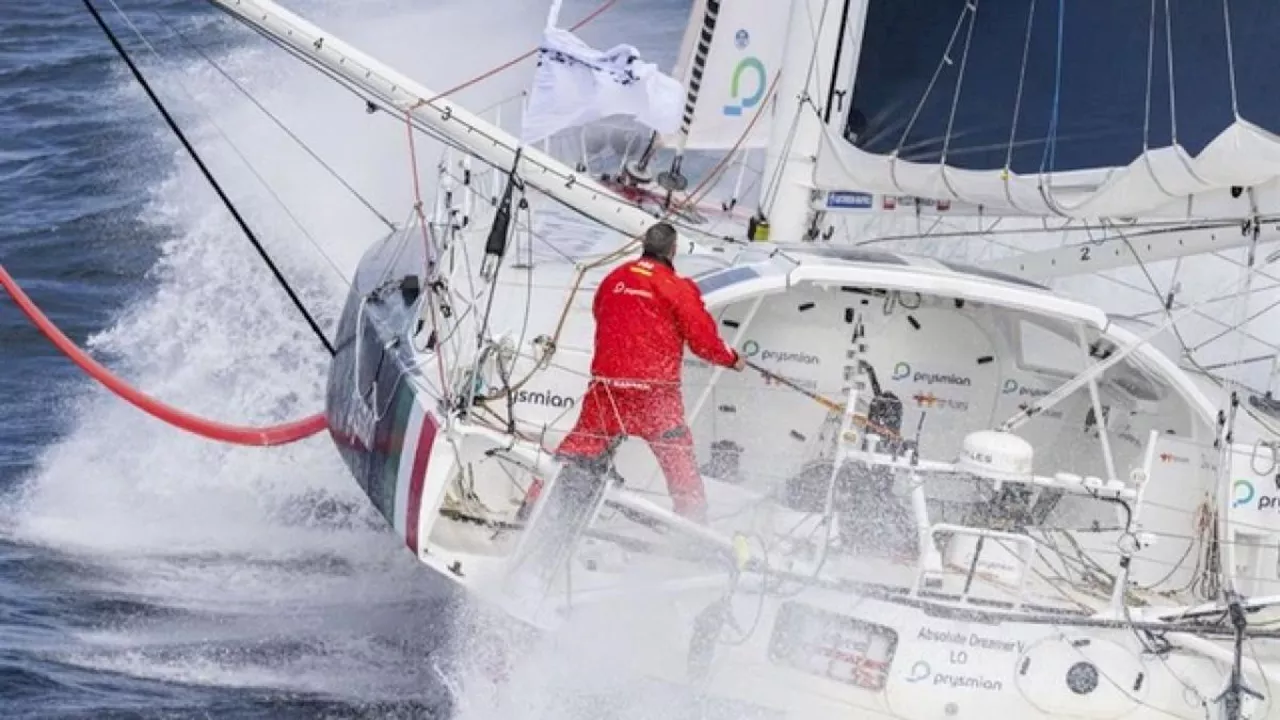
(653, 412)
(645, 317)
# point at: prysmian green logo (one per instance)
(1243, 493)
(738, 85)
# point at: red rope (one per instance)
(515, 61)
(281, 434)
(412, 158)
(692, 196)
(235, 434)
(429, 255)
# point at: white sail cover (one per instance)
(1071, 109)
(728, 81)
(576, 84)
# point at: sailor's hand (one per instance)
(739, 362)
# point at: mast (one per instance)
(478, 137)
(796, 134)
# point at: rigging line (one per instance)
(937, 72)
(1146, 114)
(508, 232)
(515, 62)
(1097, 369)
(1227, 580)
(1173, 97)
(1051, 139)
(372, 98)
(972, 7)
(835, 66)
(279, 123)
(244, 226)
(1173, 104)
(1155, 289)
(431, 271)
(1232, 328)
(1179, 305)
(774, 185)
(1148, 227)
(1017, 105)
(528, 298)
(234, 148)
(1231, 60)
(631, 245)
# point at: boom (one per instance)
(484, 140)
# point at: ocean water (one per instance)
(143, 572)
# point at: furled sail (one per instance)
(1065, 108)
(730, 50)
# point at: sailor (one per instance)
(645, 316)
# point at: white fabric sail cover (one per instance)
(743, 57)
(1065, 109)
(1162, 182)
(576, 84)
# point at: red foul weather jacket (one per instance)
(645, 313)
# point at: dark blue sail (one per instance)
(1094, 90)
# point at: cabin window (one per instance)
(1046, 351)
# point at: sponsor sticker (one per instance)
(850, 200)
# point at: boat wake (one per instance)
(208, 566)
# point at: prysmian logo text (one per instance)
(751, 349)
(784, 356)
(1012, 386)
(903, 371)
(542, 397)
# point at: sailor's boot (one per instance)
(567, 506)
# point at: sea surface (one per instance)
(143, 572)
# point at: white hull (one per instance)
(1038, 575)
(946, 651)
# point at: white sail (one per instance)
(576, 84)
(730, 52)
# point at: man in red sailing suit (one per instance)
(645, 315)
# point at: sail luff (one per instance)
(480, 138)
(702, 31)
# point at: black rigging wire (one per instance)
(244, 226)
(375, 101)
(292, 136)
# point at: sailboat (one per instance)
(945, 490)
